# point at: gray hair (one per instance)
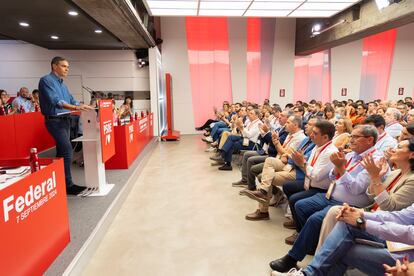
(297, 120)
(368, 131)
(395, 112)
(257, 112)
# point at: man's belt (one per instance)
(61, 117)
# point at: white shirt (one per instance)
(394, 129)
(384, 142)
(294, 140)
(317, 176)
(252, 131)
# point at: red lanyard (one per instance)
(382, 136)
(316, 156)
(357, 163)
(391, 124)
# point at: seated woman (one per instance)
(343, 132)
(5, 107)
(126, 108)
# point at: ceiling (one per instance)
(248, 8)
(47, 18)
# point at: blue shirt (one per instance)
(307, 145)
(53, 94)
(26, 103)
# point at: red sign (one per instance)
(282, 92)
(344, 91)
(401, 91)
(34, 224)
(107, 129)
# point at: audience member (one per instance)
(23, 102)
(392, 117)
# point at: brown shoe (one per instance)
(257, 195)
(291, 240)
(290, 224)
(257, 215)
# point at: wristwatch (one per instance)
(360, 221)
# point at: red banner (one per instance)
(107, 129)
(34, 224)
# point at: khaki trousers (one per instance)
(224, 137)
(328, 224)
(276, 173)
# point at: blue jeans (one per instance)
(234, 144)
(215, 130)
(310, 214)
(295, 192)
(60, 131)
(339, 251)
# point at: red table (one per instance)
(130, 140)
(34, 224)
(21, 132)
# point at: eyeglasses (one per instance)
(357, 136)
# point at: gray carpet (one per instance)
(85, 213)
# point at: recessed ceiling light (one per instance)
(97, 31)
(73, 13)
(54, 37)
(24, 24)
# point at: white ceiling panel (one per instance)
(228, 5)
(256, 5)
(249, 8)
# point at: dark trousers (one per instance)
(295, 192)
(59, 128)
(234, 144)
(207, 124)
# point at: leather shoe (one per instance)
(226, 167)
(283, 264)
(216, 157)
(74, 189)
(239, 183)
(257, 215)
(257, 195)
(290, 224)
(291, 239)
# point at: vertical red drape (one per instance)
(377, 56)
(208, 55)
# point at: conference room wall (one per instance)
(402, 69)
(22, 64)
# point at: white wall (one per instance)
(237, 29)
(23, 64)
(402, 69)
(283, 61)
(346, 61)
(175, 62)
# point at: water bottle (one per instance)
(34, 160)
(136, 116)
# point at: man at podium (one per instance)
(56, 104)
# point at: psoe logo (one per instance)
(131, 133)
(107, 132)
(35, 196)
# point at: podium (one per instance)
(98, 146)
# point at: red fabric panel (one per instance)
(207, 42)
(377, 56)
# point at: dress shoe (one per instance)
(217, 163)
(244, 191)
(257, 215)
(258, 195)
(226, 167)
(292, 272)
(290, 224)
(74, 189)
(283, 264)
(239, 183)
(291, 239)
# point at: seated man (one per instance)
(253, 158)
(276, 170)
(385, 141)
(249, 137)
(358, 241)
(23, 103)
(317, 170)
(350, 182)
(392, 117)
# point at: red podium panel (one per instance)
(34, 224)
(106, 126)
(125, 147)
(24, 131)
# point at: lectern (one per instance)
(98, 146)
